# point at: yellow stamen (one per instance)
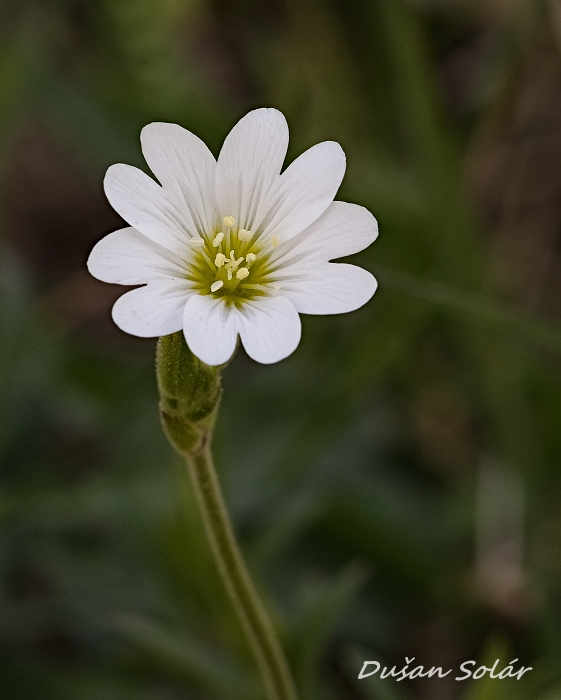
(242, 273)
(250, 257)
(275, 241)
(218, 239)
(244, 235)
(216, 285)
(229, 221)
(196, 240)
(220, 259)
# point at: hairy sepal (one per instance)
(190, 392)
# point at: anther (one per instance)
(250, 257)
(215, 286)
(275, 241)
(196, 240)
(218, 239)
(220, 259)
(242, 273)
(276, 286)
(229, 221)
(245, 235)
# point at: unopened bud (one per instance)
(190, 392)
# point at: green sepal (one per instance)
(190, 392)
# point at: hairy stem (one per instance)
(232, 568)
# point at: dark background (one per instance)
(396, 481)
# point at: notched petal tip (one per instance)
(363, 292)
(96, 262)
(111, 175)
(370, 224)
(264, 114)
(163, 135)
(124, 184)
(329, 153)
(129, 320)
(115, 172)
(262, 124)
(372, 287)
(156, 128)
(336, 149)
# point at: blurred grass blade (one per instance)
(187, 659)
(312, 634)
(526, 325)
(415, 84)
(283, 529)
(15, 61)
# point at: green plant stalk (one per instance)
(525, 324)
(190, 394)
(255, 621)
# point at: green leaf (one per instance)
(527, 326)
(187, 659)
(286, 525)
(324, 604)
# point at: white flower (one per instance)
(232, 247)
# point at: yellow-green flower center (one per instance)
(230, 263)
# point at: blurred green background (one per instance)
(396, 483)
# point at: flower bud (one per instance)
(190, 392)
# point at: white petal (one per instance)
(343, 229)
(331, 288)
(187, 170)
(154, 310)
(249, 165)
(127, 257)
(142, 203)
(210, 328)
(305, 190)
(270, 329)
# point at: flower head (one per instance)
(232, 247)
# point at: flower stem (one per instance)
(255, 621)
(190, 394)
